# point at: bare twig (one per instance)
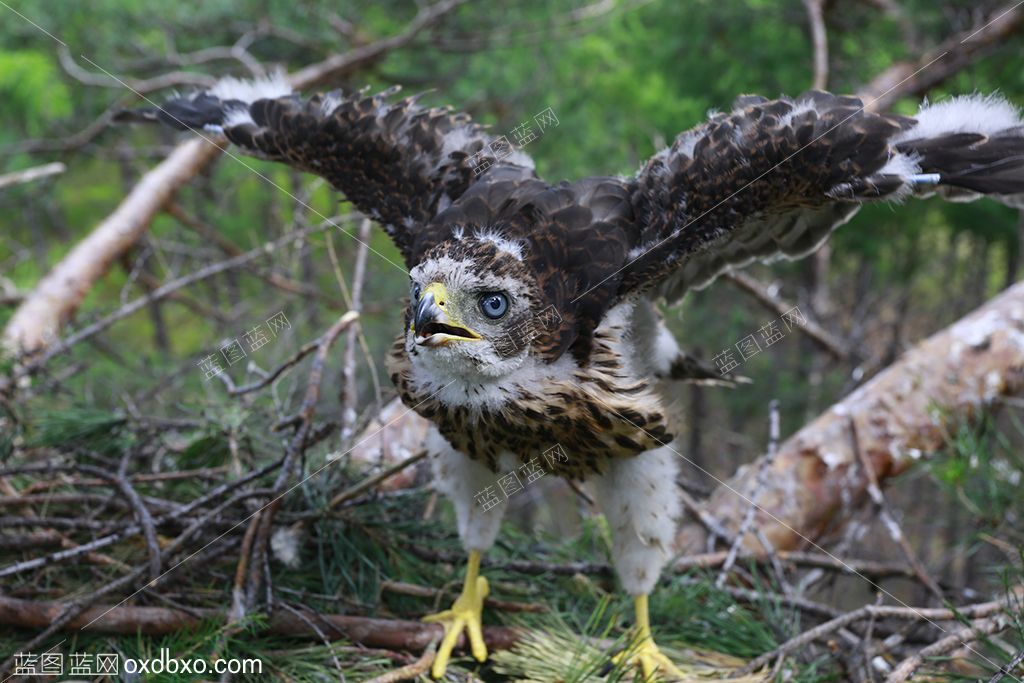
(29, 174)
(349, 396)
(103, 323)
(888, 518)
(759, 485)
(133, 529)
(819, 37)
(946, 60)
(370, 482)
(296, 447)
(931, 615)
(426, 592)
(953, 641)
(417, 669)
(1007, 670)
(386, 633)
(174, 79)
(815, 332)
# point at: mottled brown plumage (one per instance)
(531, 323)
(772, 177)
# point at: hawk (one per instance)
(531, 328)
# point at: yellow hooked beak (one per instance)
(433, 323)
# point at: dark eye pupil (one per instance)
(494, 305)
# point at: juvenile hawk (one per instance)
(531, 324)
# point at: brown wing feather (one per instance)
(398, 162)
(774, 178)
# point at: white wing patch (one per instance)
(983, 114)
(249, 90)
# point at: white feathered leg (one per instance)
(641, 502)
(461, 479)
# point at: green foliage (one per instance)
(82, 428)
(32, 91)
(623, 84)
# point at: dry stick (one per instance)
(68, 143)
(418, 591)
(1007, 670)
(932, 614)
(957, 639)
(157, 294)
(304, 350)
(97, 558)
(776, 563)
(69, 612)
(815, 332)
(866, 646)
(349, 395)
(133, 529)
(409, 671)
(173, 79)
(760, 483)
(142, 515)
(819, 37)
(871, 568)
(57, 523)
(74, 609)
(370, 482)
(392, 634)
(713, 560)
(889, 519)
(29, 174)
(710, 523)
(139, 477)
(265, 518)
(319, 632)
(949, 58)
(232, 249)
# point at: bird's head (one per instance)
(472, 307)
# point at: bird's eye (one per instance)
(416, 291)
(494, 304)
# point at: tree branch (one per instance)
(56, 297)
(392, 634)
(916, 77)
(904, 413)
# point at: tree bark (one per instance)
(901, 416)
(392, 634)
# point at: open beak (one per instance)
(432, 323)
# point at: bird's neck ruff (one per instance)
(489, 388)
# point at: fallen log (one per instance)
(902, 415)
(391, 634)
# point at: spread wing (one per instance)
(397, 162)
(774, 178)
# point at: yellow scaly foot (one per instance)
(644, 652)
(464, 615)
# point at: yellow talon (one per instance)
(465, 614)
(644, 652)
